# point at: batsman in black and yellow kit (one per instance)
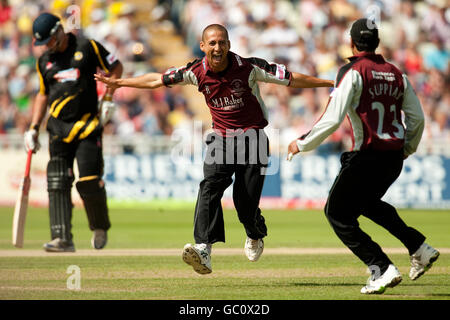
(75, 125)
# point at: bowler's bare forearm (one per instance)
(146, 81)
(300, 80)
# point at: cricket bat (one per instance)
(20, 211)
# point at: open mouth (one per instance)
(217, 58)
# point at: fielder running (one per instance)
(373, 94)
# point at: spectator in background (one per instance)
(99, 28)
(435, 22)
(277, 37)
(407, 20)
(439, 123)
(438, 57)
(154, 121)
(5, 12)
(8, 113)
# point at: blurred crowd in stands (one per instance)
(114, 24)
(308, 36)
(312, 37)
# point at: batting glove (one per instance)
(31, 141)
(107, 109)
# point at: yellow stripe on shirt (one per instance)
(61, 105)
(76, 128)
(87, 178)
(99, 56)
(42, 88)
(91, 126)
(52, 107)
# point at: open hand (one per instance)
(110, 82)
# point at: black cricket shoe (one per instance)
(99, 239)
(59, 245)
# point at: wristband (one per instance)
(35, 127)
(171, 78)
(107, 97)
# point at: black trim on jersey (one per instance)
(343, 70)
(176, 76)
(172, 78)
(303, 136)
(266, 66)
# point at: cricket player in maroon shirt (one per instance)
(372, 94)
(238, 144)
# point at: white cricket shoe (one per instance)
(99, 239)
(389, 279)
(253, 249)
(198, 256)
(422, 260)
(58, 245)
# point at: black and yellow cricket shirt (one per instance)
(67, 79)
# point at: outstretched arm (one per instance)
(300, 80)
(146, 81)
(336, 110)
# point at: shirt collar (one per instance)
(367, 55)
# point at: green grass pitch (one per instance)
(276, 276)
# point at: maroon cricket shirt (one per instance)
(374, 95)
(232, 95)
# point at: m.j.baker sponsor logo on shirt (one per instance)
(71, 74)
(228, 103)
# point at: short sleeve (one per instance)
(105, 60)
(43, 86)
(270, 72)
(181, 76)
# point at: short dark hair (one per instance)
(216, 27)
(364, 33)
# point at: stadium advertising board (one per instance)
(304, 182)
